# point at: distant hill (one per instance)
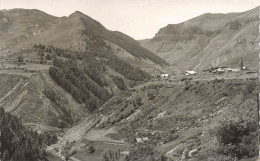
(209, 40)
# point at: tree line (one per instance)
(75, 81)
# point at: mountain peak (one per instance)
(77, 14)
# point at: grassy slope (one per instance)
(17, 25)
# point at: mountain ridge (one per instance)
(208, 40)
(63, 31)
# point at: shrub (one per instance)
(119, 82)
(234, 25)
(48, 57)
(150, 94)
(250, 86)
(183, 79)
(139, 101)
(20, 59)
(91, 149)
(225, 94)
(187, 87)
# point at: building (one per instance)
(220, 70)
(164, 75)
(191, 73)
(141, 140)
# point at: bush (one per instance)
(183, 79)
(150, 94)
(119, 82)
(235, 138)
(137, 102)
(91, 149)
(250, 86)
(232, 137)
(48, 57)
(187, 87)
(234, 25)
(225, 94)
(20, 59)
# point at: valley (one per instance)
(106, 96)
(174, 120)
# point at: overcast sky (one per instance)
(139, 19)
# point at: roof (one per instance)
(139, 140)
(191, 72)
(145, 138)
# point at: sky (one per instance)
(139, 19)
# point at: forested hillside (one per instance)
(82, 74)
(96, 47)
(21, 143)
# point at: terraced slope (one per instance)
(29, 98)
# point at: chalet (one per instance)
(220, 70)
(164, 75)
(141, 140)
(244, 68)
(145, 139)
(228, 69)
(191, 73)
(235, 69)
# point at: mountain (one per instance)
(17, 25)
(94, 89)
(57, 70)
(33, 26)
(209, 40)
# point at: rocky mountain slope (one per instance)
(209, 40)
